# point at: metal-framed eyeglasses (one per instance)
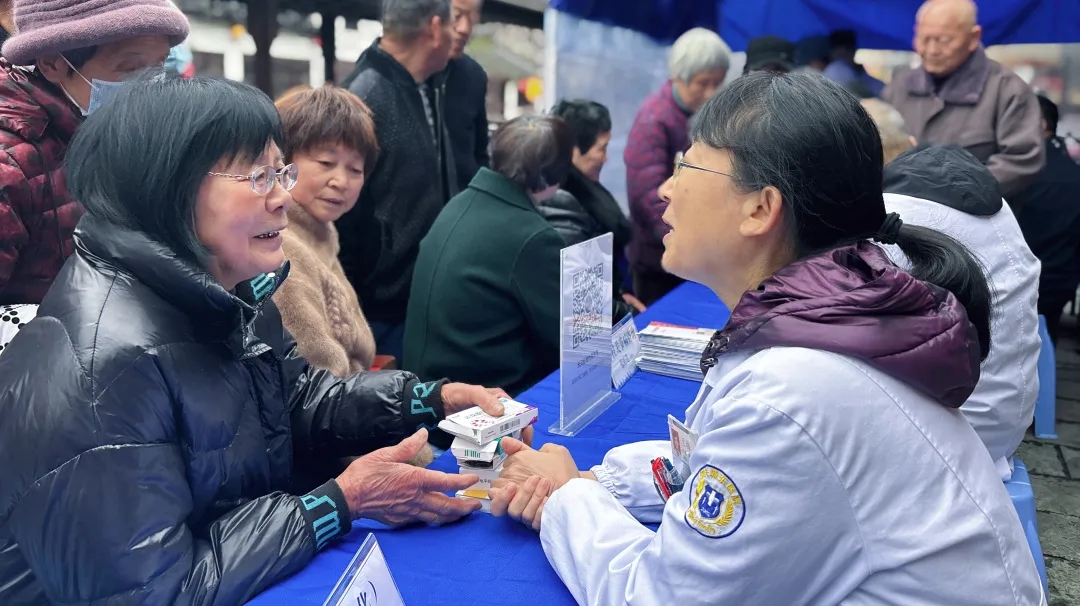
(262, 179)
(679, 165)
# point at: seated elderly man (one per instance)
(949, 190)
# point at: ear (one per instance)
(54, 68)
(436, 30)
(976, 38)
(912, 140)
(576, 156)
(761, 212)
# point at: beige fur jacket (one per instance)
(318, 305)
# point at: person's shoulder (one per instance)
(1011, 84)
(471, 67)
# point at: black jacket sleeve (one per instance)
(480, 125)
(334, 417)
(110, 524)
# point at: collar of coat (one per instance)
(495, 184)
(962, 87)
(223, 315)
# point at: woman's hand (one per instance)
(524, 503)
(460, 396)
(457, 397)
(634, 302)
(381, 486)
(551, 462)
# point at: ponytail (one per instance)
(940, 260)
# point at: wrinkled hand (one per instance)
(457, 397)
(634, 302)
(552, 462)
(380, 486)
(524, 503)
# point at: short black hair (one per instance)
(814, 142)
(1049, 112)
(535, 152)
(587, 119)
(843, 38)
(139, 161)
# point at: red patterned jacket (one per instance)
(660, 130)
(37, 215)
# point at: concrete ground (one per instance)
(1054, 466)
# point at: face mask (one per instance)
(101, 91)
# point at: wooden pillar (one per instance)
(262, 24)
(327, 33)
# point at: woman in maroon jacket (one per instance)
(698, 65)
(67, 60)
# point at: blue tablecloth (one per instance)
(494, 561)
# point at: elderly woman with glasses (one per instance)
(157, 417)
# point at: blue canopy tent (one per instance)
(880, 24)
(615, 51)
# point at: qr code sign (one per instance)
(589, 302)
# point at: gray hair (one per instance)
(407, 19)
(696, 51)
(890, 124)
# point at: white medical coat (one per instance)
(1003, 403)
(852, 488)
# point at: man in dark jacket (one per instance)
(464, 87)
(414, 175)
(1049, 216)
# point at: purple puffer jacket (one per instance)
(853, 301)
(660, 130)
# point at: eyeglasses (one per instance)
(263, 178)
(679, 164)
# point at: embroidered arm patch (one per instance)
(716, 506)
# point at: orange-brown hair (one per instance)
(327, 116)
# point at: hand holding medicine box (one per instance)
(477, 443)
(478, 426)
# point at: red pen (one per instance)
(659, 471)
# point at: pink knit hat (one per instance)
(47, 27)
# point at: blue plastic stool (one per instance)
(1046, 401)
(1023, 498)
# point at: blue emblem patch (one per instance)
(716, 505)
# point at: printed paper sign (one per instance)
(625, 348)
(367, 581)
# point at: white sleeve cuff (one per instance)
(626, 473)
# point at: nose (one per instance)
(339, 177)
(278, 200)
(666, 188)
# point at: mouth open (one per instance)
(270, 235)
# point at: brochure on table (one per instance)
(367, 580)
(625, 348)
(585, 343)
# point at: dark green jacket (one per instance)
(484, 304)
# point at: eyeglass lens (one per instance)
(263, 178)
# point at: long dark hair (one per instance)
(815, 143)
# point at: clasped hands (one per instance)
(381, 486)
(528, 479)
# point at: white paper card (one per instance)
(367, 581)
(625, 348)
(683, 442)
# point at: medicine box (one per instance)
(487, 476)
(477, 495)
(476, 425)
(491, 453)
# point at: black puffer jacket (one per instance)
(151, 425)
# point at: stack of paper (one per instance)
(476, 443)
(673, 351)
